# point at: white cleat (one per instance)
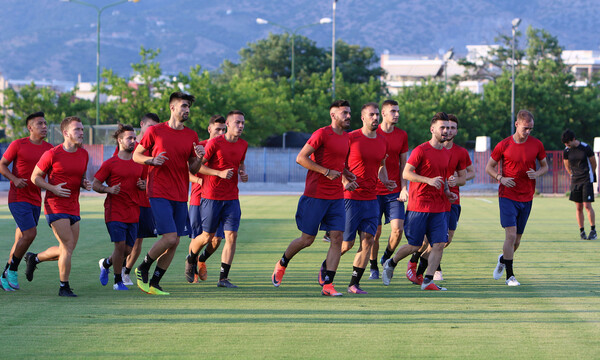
(511, 281)
(499, 270)
(438, 276)
(388, 273)
(126, 278)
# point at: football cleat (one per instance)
(157, 290)
(511, 281)
(103, 273)
(593, 235)
(374, 274)
(225, 283)
(329, 290)
(499, 270)
(201, 269)
(120, 286)
(355, 289)
(31, 265)
(278, 274)
(190, 271)
(388, 273)
(142, 280)
(432, 286)
(12, 278)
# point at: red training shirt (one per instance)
(124, 206)
(430, 162)
(364, 160)
(397, 141)
(63, 166)
(142, 196)
(196, 194)
(170, 180)
(330, 152)
(25, 155)
(221, 155)
(517, 159)
(459, 160)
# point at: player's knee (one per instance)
(171, 239)
(28, 235)
(346, 246)
(396, 233)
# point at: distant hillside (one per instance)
(51, 39)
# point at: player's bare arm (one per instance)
(410, 175)
(242, 172)
(492, 170)
(534, 174)
(303, 159)
(383, 176)
(100, 188)
(38, 177)
(140, 158)
(85, 183)
(18, 182)
(194, 179)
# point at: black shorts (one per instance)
(581, 193)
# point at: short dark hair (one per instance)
(524, 115)
(369, 104)
(121, 129)
(68, 120)
(389, 102)
(567, 135)
(178, 95)
(439, 116)
(33, 116)
(150, 116)
(453, 118)
(217, 118)
(235, 112)
(339, 103)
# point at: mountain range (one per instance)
(56, 39)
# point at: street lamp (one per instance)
(261, 21)
(99, 10)
(333, 54)
(515, 24)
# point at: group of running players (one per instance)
(353, 180)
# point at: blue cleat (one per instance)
(103, 273)
(12, 278)
(120, 286)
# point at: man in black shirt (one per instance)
(580, 163)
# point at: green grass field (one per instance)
(554, 314)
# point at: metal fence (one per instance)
(278, 166)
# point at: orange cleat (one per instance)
(329, 290)
(278, 274)
(202, 273)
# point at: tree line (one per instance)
(259, 85)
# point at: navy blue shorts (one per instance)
(170, 216)
(120, 231)
(361, 215)
(453, 217)
(418, 224)
(26, 215)
(390, 207)
(146, 225)
(216, 213)
(50, 218)
(195, 214)
(315, 214)
(514, 213)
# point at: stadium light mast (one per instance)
(99, 10)
(293, 32)
(333, 53)
(515, 24)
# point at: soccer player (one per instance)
(65, 165)
(461, 168)
(580, 163)
(366, 160)
(389, 205)
(322, 204)
(146, 224)
(174, 152)
(24, 198)
(195, 271)
(121, 207)
(223, 162)
(426, 214)
(518, 154)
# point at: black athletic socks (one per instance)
(127, 270)
(387, 253)
(107, 263)
(158, 274)
(583, 229)
(593, 227)
(393, 263)
(422, 266)
(374, 264)
(64, 284)
(204, 256)
(146, 263)
(329, 275)
(509, 268)
(192, 258)
(415, 257)
(118, 278)
(428, 279)
(284, 261)
(357, 274)
(14, 265)
(224, 271)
